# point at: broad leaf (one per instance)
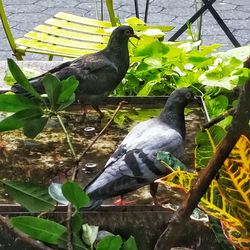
(52, 87)
(33, 197)
(55, 191)
(76, 242)
(74, 193)
(38, 228)
(20, 119)
(32, 128)
(67, 103)
(15, 103)
(21, 78)
(235, 179)
(206, 143)
(238, 235)
(130, 244)
(110, 242)
(68, 87)
(217, 105)
(76, 222)
(89, 234)
(170, 161)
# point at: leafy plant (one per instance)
(227, 197)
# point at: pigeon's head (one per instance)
(123, 32)
(180, 97)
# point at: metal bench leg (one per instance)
(136, 9)
(222, 24)
(191, 20)
(146, 11)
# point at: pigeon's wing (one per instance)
(87, 67)
(132, 171)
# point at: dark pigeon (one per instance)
(98, 74)
(134, 163)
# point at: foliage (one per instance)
(159, 67)
(36, 199)
(32, 114)
(228, 196)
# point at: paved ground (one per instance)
(23, 15)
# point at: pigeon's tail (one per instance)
(18, 89)
(93, 204)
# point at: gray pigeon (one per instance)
(98, 73)
(134, 163)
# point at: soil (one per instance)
(47, 157)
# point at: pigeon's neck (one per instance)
(173, 115)
(117, 52)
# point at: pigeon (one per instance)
(98, 73)
(134, 163)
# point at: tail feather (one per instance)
(93, 204)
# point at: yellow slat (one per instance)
(83, 20)
(145, 27)
(52, 49)
(52, 30)
(64, 42)
(75, 26)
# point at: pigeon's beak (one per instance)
(135, 36)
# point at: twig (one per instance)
(96, 138)
(240, 122)
(67, 136)
(25, 238)
(76, 166)
(218, 118)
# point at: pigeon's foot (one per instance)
(97, 109)
(122, 202)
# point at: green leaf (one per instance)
(67, 103)
(74, 193)
(172, 162)
(130, 244)
(89, 234)
(33, 197)
(52, 87)
(76, 242)
(155, 48)
(29, 73)
(147, 88)
(15, 103)
(38, 228)
(110, 242)
(206, 144)
(20, 119)
(76, 223)
(68, 87)
(55, 191)
(32, 128)
(217, 105)
(21, 78)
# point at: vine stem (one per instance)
(67, 136)
(69, 208)
(76, 166)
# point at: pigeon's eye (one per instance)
(127, 32)
(188, 95)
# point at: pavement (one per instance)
(23, 15)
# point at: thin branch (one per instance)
(218, 118)
(96, 138)
(240, 121)
(23, 237)
(67, 136)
